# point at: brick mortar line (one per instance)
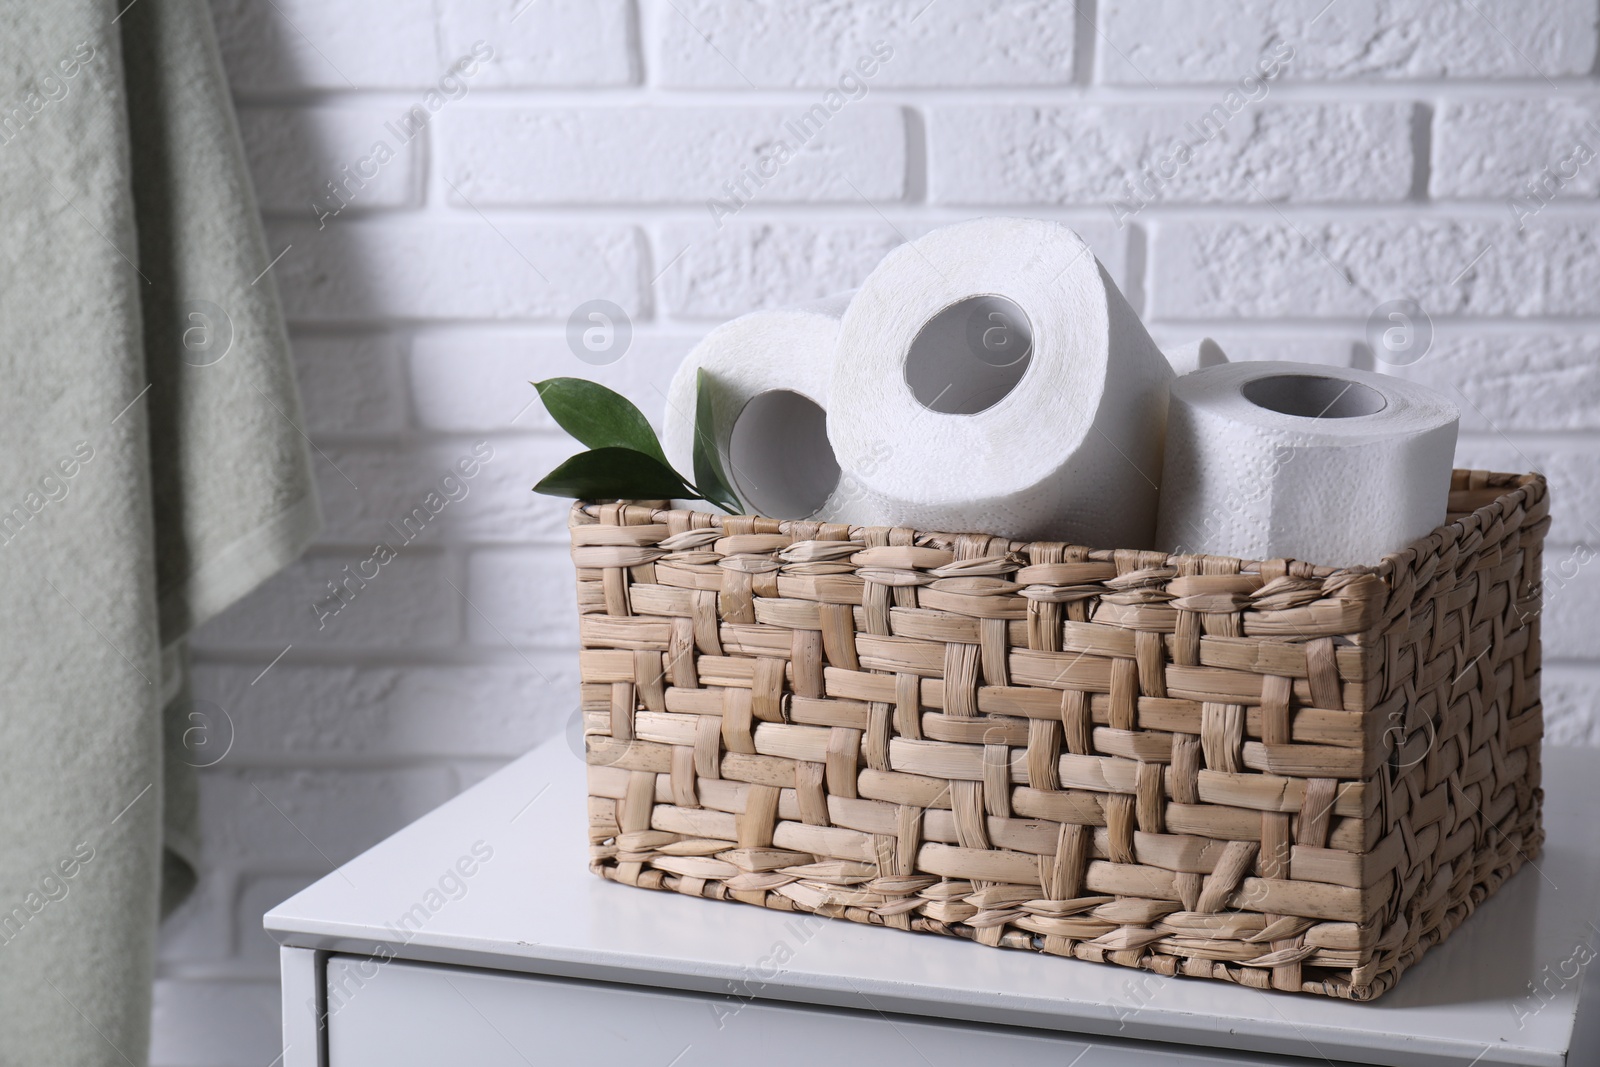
(578, 216)
(577, 96)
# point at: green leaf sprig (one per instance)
(625, 460)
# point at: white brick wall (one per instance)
(1399, 151)
(1171, 42)
(1085, 153)
(781, 44)
(624, 154)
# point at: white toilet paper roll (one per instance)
(1291, 460)
(1194, 355)
(991, 378)
(769, 373)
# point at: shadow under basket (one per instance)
(1283, 775)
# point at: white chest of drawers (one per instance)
(477, 936)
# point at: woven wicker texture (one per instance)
(1271, 773)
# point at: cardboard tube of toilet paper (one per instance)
(1289, 460)
(769, 373)
(991, 378)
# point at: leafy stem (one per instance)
(625, 460)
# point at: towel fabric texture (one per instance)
(152, 471)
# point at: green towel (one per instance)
(152, 471)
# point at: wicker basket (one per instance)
(1272, 773)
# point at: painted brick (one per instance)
(467, 268)
(627, 154)
(1525, 151)
(546, 520)
(352, 714)
(544, 42)
(408, 496)
(721, 273)
(506, 509)
(307, 44)
(1331, 351)
(473, 383)
(215, 1024)
(350, 384)
(495, 504)
(309, 160)
(1178, 153)
(736, 44)
(1570, 697)
(1221, 270)
(499, 506)
(1510, 382)
(310, 819)
(1167, 41)
(1572, 474)
(522, 597)
(409, 604)
(1571, 587)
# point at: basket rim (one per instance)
(1525, 491)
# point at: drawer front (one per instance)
(396, 1013)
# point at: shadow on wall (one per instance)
(339, 702)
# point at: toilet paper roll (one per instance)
(1323, 464)
(769, 373)
(991, 378)
(1194, 355)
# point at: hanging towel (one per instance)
(152, 472)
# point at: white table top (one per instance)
(533, 906)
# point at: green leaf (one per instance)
(708, 474)
(598, 417)
(615, 474)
